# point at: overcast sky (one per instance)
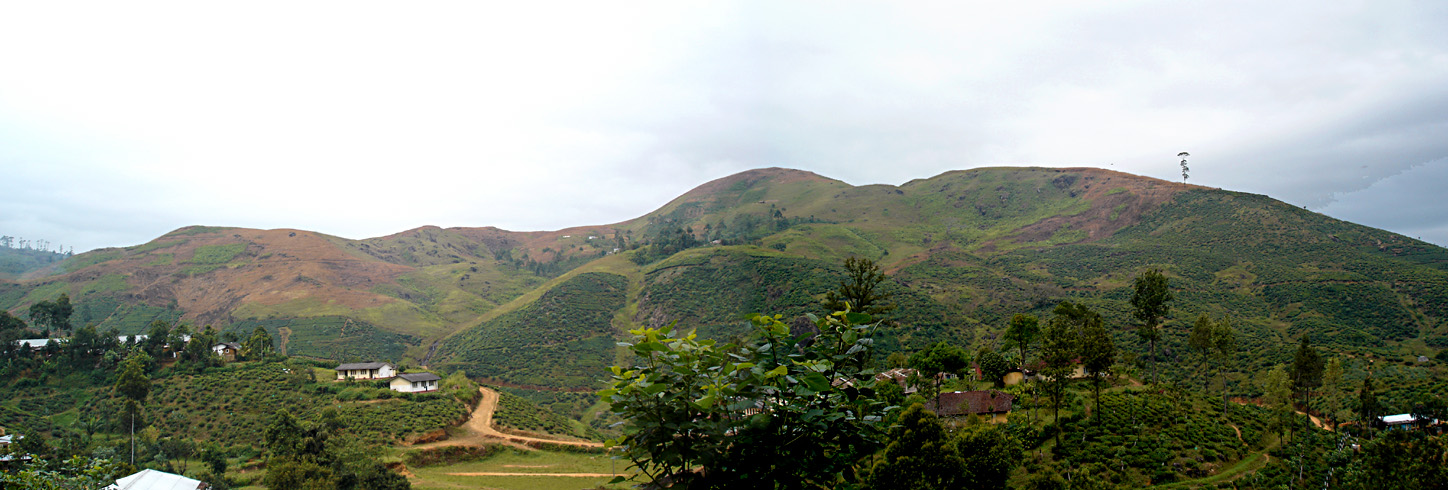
(120, 121)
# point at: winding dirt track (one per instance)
(480, 429)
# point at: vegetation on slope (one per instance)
(560, 340)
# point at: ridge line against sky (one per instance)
(119, 123)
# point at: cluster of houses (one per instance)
(401, 382)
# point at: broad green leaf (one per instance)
(816, 381)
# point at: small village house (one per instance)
(1404, 421)
(899, 376)
(991, 405)
(1016, 376)
(365, 370)
(415, 382)
(228, 351)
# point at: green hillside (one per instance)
(965, 250)
(15, 262)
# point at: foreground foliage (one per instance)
(793, 408)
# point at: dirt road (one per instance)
(480, 429)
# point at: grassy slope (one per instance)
(229, 405)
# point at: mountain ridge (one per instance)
(964, 247)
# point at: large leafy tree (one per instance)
(1149, 305)
(321, 456)
(52, 315)
(935, 360)
(993, 366)
(920, 455)
(857, 291)
(773, 409)
(990, 453)
(259, 345)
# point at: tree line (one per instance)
(797, 403)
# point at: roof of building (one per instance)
(1401, 418)
(232, 345)
(972, 402)
(34, 343)
(419, 377)
(357, 366)
(156, 480)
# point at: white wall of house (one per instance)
(405, 386)
(381, 373)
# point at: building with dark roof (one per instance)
(365, 370)
(415, 382)
(990, 405)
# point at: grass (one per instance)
(437, 477)
(1252, 463)
(217, 254)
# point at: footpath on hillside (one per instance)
(480, 430)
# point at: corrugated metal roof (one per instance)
(156, 480)
(417, 377)
(1401, 418)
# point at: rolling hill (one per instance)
(965, 250)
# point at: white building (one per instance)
(415, 382)
(366, 370)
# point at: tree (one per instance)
(198, 353)
(1183, 156)
(1401, 460)
(1223, 351)
(993, 366)
(940, 358)
(52, 315)
(1098, 352)
(1022, 331)
(1200, 339)
(1216, 342)
(156, 338)
(990, 454)
(1276, 386)
(920, 455)
(1149, 305)
(259, 345)
(1306, 371)
(1058, 354)
(1332, 381)
(857, 290)
(896, 360)
(772, 409)
(78, 472)
(1368, 408)
(133, 384)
